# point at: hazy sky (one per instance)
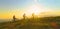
(10, 7)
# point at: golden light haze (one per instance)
(20, 14)
(50, 13)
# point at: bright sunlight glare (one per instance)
(33, 9)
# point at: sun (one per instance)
(33, 9)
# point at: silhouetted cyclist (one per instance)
(14, 18)
(33, 15)
(24, 16)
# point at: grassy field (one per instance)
(36, 23)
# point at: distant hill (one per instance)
(4, 20)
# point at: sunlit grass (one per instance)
(39, 23)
